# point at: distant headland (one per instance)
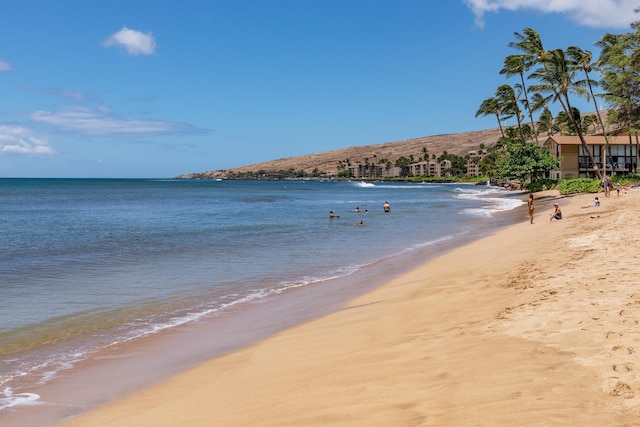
(327, 164)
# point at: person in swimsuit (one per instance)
(530, 205)
(556, 214)
(595, 204)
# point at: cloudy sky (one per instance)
(141, 88)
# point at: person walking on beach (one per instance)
(556, 214)
(531, 209)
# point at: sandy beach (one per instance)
(533, 326)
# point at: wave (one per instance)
(364, 184)
(45, 366)
(489, 205)
(11, 400)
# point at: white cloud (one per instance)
(102, 122)
(589, 13)
(134, 42)
(5, 66)
(20, 140)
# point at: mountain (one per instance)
(457, 143)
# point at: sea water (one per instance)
(87, 264)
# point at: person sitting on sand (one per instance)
(595, 204)
(556, 214)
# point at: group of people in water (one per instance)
(385, 207)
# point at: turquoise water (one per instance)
(87, 264)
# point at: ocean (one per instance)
(87, 265)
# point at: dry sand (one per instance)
(534, 326)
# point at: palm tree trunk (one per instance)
(576, 125)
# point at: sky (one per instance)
(150, 89)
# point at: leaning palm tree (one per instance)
(530, 44)
(490, 106)
(557, 77)
(545, 122)
(582, 59)
(508, 102)
(518, 65)
(621, 79)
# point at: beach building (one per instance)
(473, 164)
(431, 168)
(621, 155)
(373, 171)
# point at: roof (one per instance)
(589, 139)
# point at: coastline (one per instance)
(465, 336)
(123, 367)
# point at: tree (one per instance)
(508, 103)
(490, 106)
(620, 63)
(458, 164)
(489, 163)
(403, 163)
(557, 77)
(518, 65)
(526, 161)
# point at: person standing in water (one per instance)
(386, 207)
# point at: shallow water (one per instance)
(88, 265)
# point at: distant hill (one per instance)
(457, 143)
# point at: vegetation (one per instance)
(558, 77)
(579, 185)
(542, 184)
(543, 78)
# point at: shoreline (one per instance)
(536, 337)
(545, 334)
(125, 368)
(449, 342)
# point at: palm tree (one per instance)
(491, 106)
(519, 64)
(582, 59)
(531, 45)
(619, 59)
(545, 121)
(508, 102)
(556, 77)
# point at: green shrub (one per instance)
(541, 184)
(579, 185)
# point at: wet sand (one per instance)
(535, 325)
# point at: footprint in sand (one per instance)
(622, 389)
(623, 349)
(624, 367)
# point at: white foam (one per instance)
(21, 399)
(364, 184)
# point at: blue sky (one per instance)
(149, 89)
